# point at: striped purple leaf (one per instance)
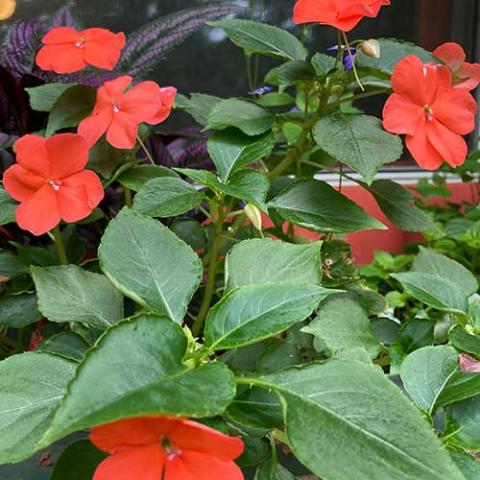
(148, 46)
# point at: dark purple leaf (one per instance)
(20, 45)
(64, 18)
(146, 47)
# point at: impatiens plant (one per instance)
(209, 323)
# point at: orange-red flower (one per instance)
(119, 112)
(66, 51)
(154, 448)
(465, 75)
(432, 114)
(50, 182)
(341, 14)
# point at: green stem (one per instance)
(211, 275)
(128, 197)
(357, 78)
(61, 252)
(145, 149)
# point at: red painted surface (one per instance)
(392, 240)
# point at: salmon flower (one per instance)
(119, 112)
(341, 14)
(50, 182)
(66, 51)
(466, 76)
(148, 448)
(433, 115)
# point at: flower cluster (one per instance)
(427, 107)
(49, 179)
(165, 448)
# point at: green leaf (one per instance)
(426, 372)
(249, 185)
(358, 141)
(68, 293)
(104, 159)
(71, 108)
(323, 63)
(460, 387)
(8, 206)
(343, 325)
(463, 423)
(252, 313)
(391, 52)
(434, 291)
(10, 265)
(464, 341)
(344, 409)
(78, 462)
(275, 99)
(199, 106)
(248, 117)
(259, 261)
(291, 73)
(68, 345)
(166, 197)
(271, 470)
(136, 369)
(428, 261)
(44, 97)
(398, 204)
(318, 206)
(31, 387)
(231, 150)
(256, 37)
(467, 464)
(190, 231)
(18, 311)
(150, 264)
(136, 177)
(256, 408)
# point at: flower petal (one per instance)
(142, 101)
(131, 432)
(199, 438)
(65, 58)
(61, 35)
(102, 47)
(92, 128)
(123, 131)
(78, 195)
(198, 466)
(40, 213)
(452, 147)
(167, 95)
(31, 153)
(67, 153)
(422, 150)
(469, 75)
(112, 91)
(452, 54)
(456, 110)
(400, 115)
(20, 183)
(143, 463)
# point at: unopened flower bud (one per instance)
(371, 48)
(337, 90)
(254, 215)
